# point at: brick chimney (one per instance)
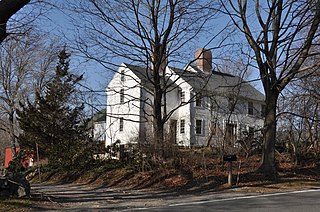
(203, 60)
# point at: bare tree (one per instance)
(24, 67)
(149, 33)
(299, 114)
(280, 34)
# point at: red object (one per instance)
(8, 158)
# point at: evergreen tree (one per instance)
(53, 122)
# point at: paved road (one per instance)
(307, 200)
(72, 197)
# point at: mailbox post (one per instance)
(229, 159)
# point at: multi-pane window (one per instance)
(198, 127)
(250, 108)
(121, 96)
(121, 124)
(182, 126)
(122, 76)
(182, 96)
(198, 100)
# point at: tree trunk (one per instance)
(268, 153)
(157, 121)
(159, 140)
(12, 134)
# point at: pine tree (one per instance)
(53, 122)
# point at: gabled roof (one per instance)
(218, 82)
(100, 116)
(144, 74)
(214, 83)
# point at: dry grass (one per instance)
(16, 204)
(203, 173)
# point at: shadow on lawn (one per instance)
(214, 181)
(294, 177)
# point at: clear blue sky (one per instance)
(58, 23)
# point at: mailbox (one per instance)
(229, 158)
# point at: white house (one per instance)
(99, 125)
(206, 107)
